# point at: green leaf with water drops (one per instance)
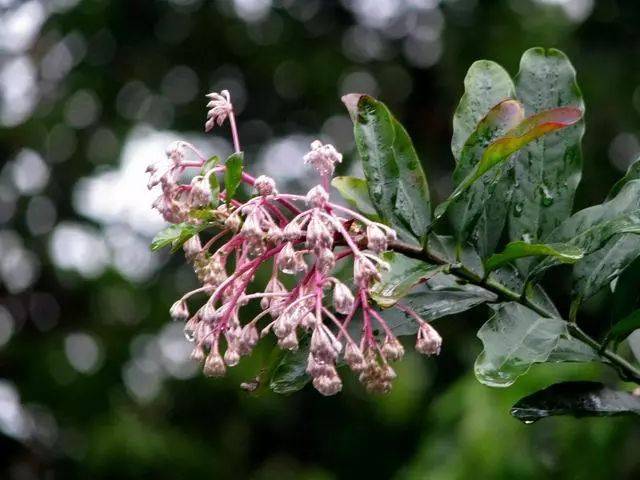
(480, 213)
(176, 235)
(355, 191)
(446, 249)
(485, 85)
(590, 228)
(548, 170)
(233, 174)
(500, 150)
(602, 266)
(403, 274)
(515, 338)
(397, 184)
(579, 399)
(290, 374)
(564, 253)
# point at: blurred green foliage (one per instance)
(94, 381)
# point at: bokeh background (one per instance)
(95, 381)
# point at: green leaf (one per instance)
(404, 273)
(440, 296)
(233, 174)
(547, 171)
(176, 235)
(354, 190)
(209, 164)
(397, 184)
(446, 248)
(514, 250)
(579, 399)
(590, 228)
(498, 151)
(214, 187)
(602, 266)
(623, 329)
(570, 349)
(480, 212)
(515, 338)
(485, 85)
(290, 374)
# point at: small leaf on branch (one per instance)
(176, 235)
(579, 399)
(564, 253)
(622, 329)
(209, 164)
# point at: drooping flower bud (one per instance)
(319, 237)
(179, 310)
(325, 261)
(392, 349)
(317, 197)
(192, 247)
(175, 152)
(342, 298)
(214, 365)
(200, 194)
(219, 109)
(364, 272)
(265, 186)
(429, 341)
(354, 357)
(231, 357)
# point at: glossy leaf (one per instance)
(233, 174)
(214, 188)
(480, 212)
(602, 266)
(355, 191)
(176, 235)
(547, 171)
(515, 338)
(562, 252)
(590, 228)
(440, 296)
(446, 248)
(570, 349)
(403, 274)
(397, 184)
(497, 152)
(623, 329)
(579, 399)
(290, 374)
(485, 85)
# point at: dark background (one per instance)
(95, 380)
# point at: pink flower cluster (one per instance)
(296, 235)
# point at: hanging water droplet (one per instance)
(528, 422)
(547, 196)
(517, 209)
(189, 334)
(527, 237)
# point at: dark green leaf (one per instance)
(355, 191)
(579, 399)
(290, 374)
(446, 248)
(547, 171)
(623, 328)
(480, 212)
(233, 174)
(602, 266)
(514, 250)
(515, 338)
(397, 184)
(209, 164)
(440, 296)
(176, 235)
(590, 228)
(485, 85)
(404, 273)
(500, 150)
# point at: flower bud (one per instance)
(274, 234)
(231, 357)
(214, 365)
(325, 261)
(292, 231)
(265, 186)
(200, 194)
(364, 272)
(318, 235)
(354, 357)
(392, 349)
(429, 341)
(317, 197)
(198, 354)
(376, 239)
(192, 247)
(342, 298)
(290, 342)
(179, 310)
(323, 157)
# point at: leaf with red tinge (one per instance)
(528, 130)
